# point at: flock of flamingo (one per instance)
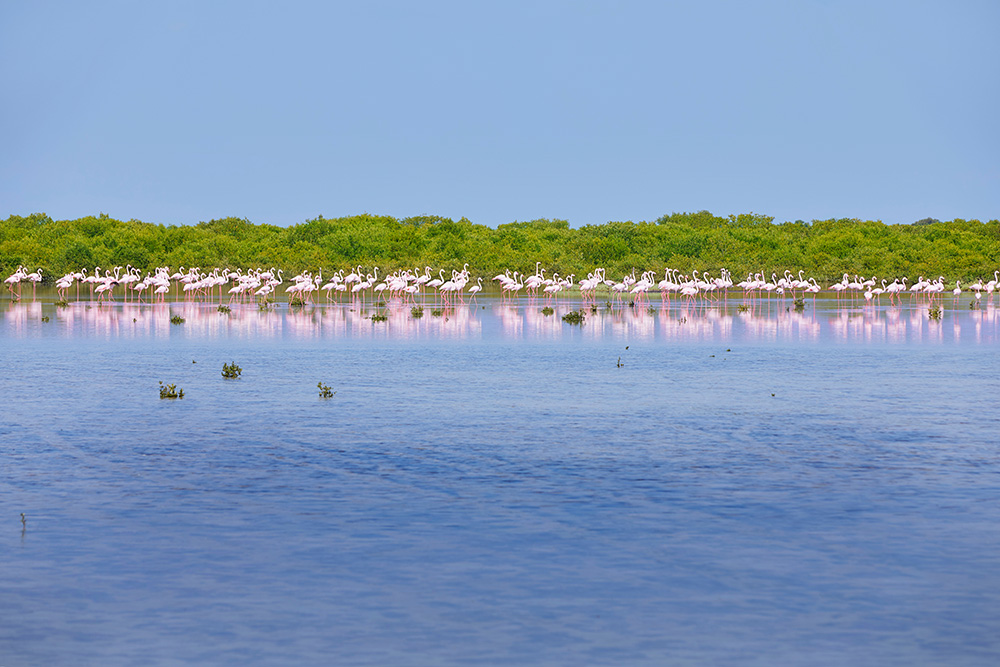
(407, 286)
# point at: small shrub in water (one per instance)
(742, 308)
(934, 313)
(296, 300)
(45, 318)
(417, 312)
(325, 391)
(800, 304)
(231, 370)
(547, 310)
(170, 391)
(379, 318)
(62, 304)
(177, 319)
(437, 312)
(573, 317)
(224, 309)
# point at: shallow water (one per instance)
(492, 485)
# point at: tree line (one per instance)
(744, 243)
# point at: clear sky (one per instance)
(176, 112)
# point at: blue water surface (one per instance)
(495, 486)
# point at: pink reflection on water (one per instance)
(679, 322)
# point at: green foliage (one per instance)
(325, 391)
(745, 243)
(170, 391)
(177, 319)
(231, 370)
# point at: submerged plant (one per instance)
(934, 313)
(62, 304)
(437, 312)
(296, 300)
(170, 391)
(573, 317)
(325, 391)
(231, 370)
(547, 310)
(417, 312)
(45, 318)
(800, 304)
(379, 318)
(225, 309)
(742, 308)
(177, 319)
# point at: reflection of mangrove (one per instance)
(677, 322)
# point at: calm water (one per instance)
(686, 486)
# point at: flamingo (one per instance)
(35, 278)
(477, 288)
(64, 284)
(15, 279)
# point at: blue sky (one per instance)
(178, 112)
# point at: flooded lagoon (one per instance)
(493, 485)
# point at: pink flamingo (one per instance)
(35, 278)
(15, 279)
(476, 289)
